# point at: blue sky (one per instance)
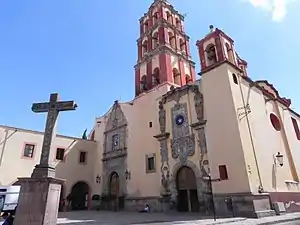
(86, 50)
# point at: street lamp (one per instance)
(127, 175)
(279, 158)
(98, 179)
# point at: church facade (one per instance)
(224, 141)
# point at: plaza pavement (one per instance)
(126, 218)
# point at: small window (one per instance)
(60, 154)
(115, 141)
(223, 172)
(235, 79)
(296, 128)
(150, 124)
(29, 150)
(150, 163)
(82, 157)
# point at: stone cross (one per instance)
(53, 107)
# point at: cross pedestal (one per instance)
(40, 194)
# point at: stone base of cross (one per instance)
(43, 171)
(40, 195)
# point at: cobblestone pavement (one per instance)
(126, 218)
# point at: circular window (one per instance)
(179, 120)
(275, 122)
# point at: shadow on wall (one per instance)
(75, 165)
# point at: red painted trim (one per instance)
(34, 150)
(137, 81)
(149, 74)
(182, 72)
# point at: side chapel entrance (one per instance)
(187, 198)
(114, 187)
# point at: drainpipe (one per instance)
(251, 137)
(286, 145)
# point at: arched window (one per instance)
(188, 79)
(172, 40)
(176, 76)
(182, 45)
(155, 77)
(155, 17)
(155, 40)
(169, 18)
(229, 53)
(146, 26)
(143, 83)
(145, 47)
(178, 24)
(234, 78)
(211, 54)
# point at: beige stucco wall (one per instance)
(14, 165)
(247, 153)
(222, 132)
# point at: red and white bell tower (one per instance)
(163, 49)
(217, 47)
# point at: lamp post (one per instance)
(279, 158)
(127, 175)
(98, 179)
(210, 180)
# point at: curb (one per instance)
(228, 221)
(280, 221)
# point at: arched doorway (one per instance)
(79, 196)
(187, 198)
(114, 188)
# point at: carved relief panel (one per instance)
(183, 141)
(115, 134)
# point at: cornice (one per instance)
(167, 50)
(163, 23)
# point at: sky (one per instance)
(86, 50)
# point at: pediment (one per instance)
(116, 117)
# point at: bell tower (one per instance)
(163, 49)
(217, 47)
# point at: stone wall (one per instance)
(243, 205)
(136, 204)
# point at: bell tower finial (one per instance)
(163, 49)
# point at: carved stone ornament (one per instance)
(199, 105)
(162, 117)
(183, 147)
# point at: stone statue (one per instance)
(162, 117)
(199, 105)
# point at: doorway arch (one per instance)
(186, 185)
(114, 190)
(79, 196)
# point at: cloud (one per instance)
(278, 8)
